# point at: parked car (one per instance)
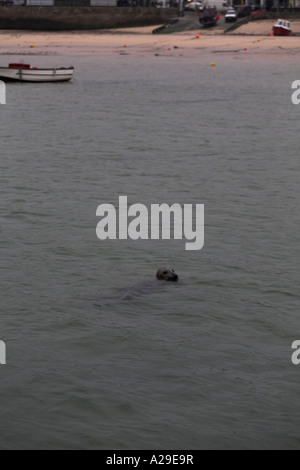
(231, 16)
(209, 16)
(6, 3)
(193, 5)
(244, 11)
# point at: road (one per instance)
(190, 22)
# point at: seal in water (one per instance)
(166, 274)
(145, 288)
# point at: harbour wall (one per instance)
(82, 18)
(285, 15)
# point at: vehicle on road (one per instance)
(193, 5)
(243, 11)
(209, 16)
(230, 16)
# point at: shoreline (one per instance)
(139, 40)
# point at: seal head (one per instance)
(166, 274)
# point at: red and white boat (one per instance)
(25, 73)
(282, 28)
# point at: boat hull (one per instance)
(36, 75)
(282, 28)
(279, 31)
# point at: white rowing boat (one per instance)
(26, 73)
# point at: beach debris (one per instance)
(226, 51)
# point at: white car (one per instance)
(231, 16)
(193, 5)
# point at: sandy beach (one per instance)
(253, 37)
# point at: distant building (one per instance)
(96, 3)
(93, 3)
(39, 3)
(103, 3)
(67, 3)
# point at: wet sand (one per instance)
(253, 37)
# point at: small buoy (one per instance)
(124, 45)
(32, 45)
(198, 36)
(272, 35)
(258, 40)
(245, 49)
(169, 48)
(212, 64)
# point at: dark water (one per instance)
(202, 364)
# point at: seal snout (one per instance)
(167, 274)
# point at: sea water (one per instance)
(203, 364)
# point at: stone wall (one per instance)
(81, 18)
(285, 15)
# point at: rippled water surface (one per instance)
(202, 364)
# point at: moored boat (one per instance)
(25, 73)
(282, 28)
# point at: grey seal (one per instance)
(151, 287)
(167, 274)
